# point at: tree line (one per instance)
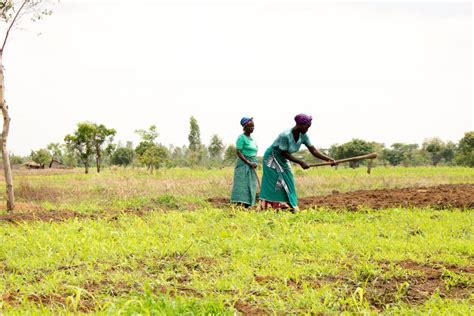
(92, 144)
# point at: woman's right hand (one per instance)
(253, 165)
(304, 165)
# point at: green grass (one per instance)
(205, 261)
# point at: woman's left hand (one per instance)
(332, 161)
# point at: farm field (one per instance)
(398, 241)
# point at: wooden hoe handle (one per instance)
(368, 156)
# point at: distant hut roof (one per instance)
(32, 165)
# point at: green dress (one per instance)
(244, 188)
(278, 183)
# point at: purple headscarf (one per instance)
(303, 119)
(246, 120)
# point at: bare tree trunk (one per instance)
(97, 162)
(3, 141)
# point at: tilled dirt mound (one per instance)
(439, 197)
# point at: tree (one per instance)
(216, 148)
(142, 147)
(149, 152)
(393, 157)
(178, 156)
(194, 136)
(448, 152)
(149, 135)
(56, 153)
(356, 147)
(41, 157)
(196, 150)
(148, 139)
(70, 157)
(405, 154)
(102, 140)
(465, 152)
(154, 156)
(230, 155)
(10, 14)
(16, 160)
(82, 143)
(434, 147)
(123, 156)
(410, 154)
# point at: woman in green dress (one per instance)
(278, 184)
(244, 189)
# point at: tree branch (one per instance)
(11, 25)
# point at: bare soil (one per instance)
(439, 197)
(40, 215)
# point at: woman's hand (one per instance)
(253, 165)
(304, 165)
(332, 161)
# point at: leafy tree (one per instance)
(149, 135)
(70, 157)
(465, 153)
(230, 155)
(405, 154)
(154, 157)
(123, 156)
(393, 157)
(448, 152)
(16, 160)
(178, 156)
(11, 12)
(150, 153)
(410, 154)
(91, 140)
(216, 149)
(102, 140)
(82, 143)
(41, 157)
(198, 157)
(434, 147)
(56, 152)
(194, 135)
(355, 147)
(142, 147)
(197, 151)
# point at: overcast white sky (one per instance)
(380, 71)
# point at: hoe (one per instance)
(368, 156)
